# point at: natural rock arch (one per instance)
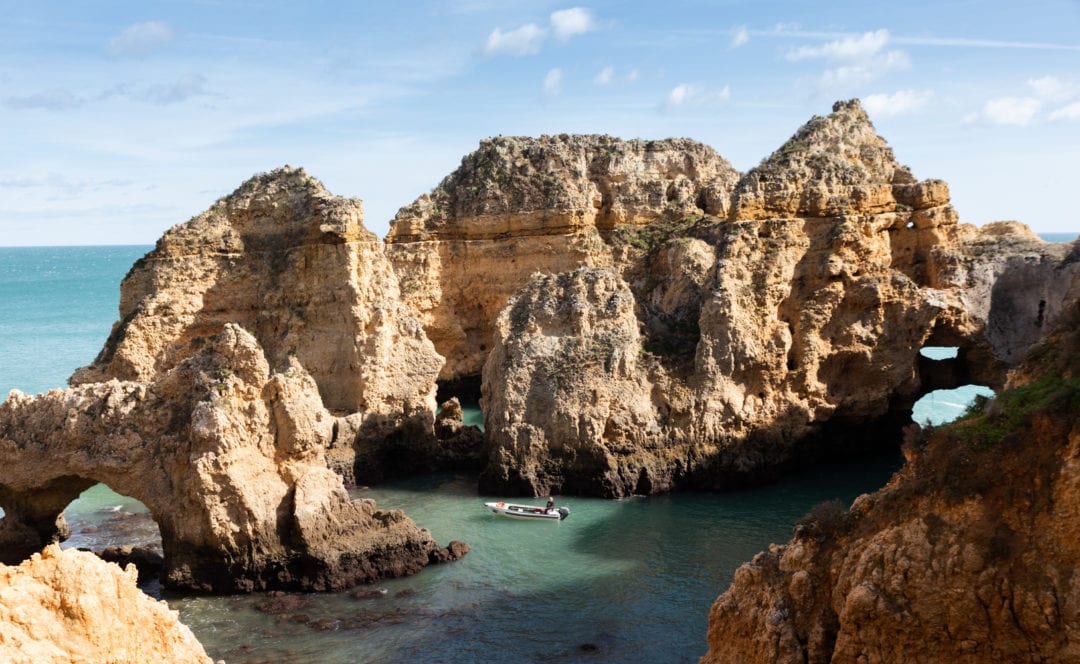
(229, 460)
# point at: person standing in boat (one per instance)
(550, 505)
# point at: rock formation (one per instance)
(228, 457)
(522, 205)
(574, 411)
(69, 606)
(969, 554)
(286, 260)
(796, 318)
(778, 314)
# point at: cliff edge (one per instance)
(969, 554)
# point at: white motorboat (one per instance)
(533, 512)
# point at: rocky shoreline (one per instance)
(639, 316)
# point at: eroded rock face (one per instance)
(573, 409)
(967, 555)
(69, 606)
(1012, 287)
(228, 457)
(762, 335)
(293, 264)
(518, 206)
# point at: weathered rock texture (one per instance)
(293, 264)
(69, 606)
(969, 554)
(522, 205)
(228, 457)
(788, 329)
(561, 338)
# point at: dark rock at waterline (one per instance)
(455, 550)
(279, 602)
(364, 593)
(147, 561)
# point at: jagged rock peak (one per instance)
(593, 179)
(283, 205)
(832, 166)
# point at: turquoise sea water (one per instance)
(625, 580)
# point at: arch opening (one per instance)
(83, 514)
(946, 387)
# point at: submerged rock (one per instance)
(70, 606)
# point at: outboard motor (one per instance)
(563, 513)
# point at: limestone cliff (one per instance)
(561, 338)
(521, 205)
(293, 264)
(969, 554)
(787, 328)
(69, 606)
(229, 458)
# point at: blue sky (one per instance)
(121, 119)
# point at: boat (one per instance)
(529, 512)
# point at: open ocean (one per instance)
(618, 581)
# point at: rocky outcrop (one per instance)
(1011, 285)
(766, 336)
(69, 606)
(228, 457)
(293, 264)
(969, 553)
(573, 410)
(521, 205)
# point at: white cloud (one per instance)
(605, 76)
(1070, 112)
(526, 40)
(692, 95)
(56, 99)
(901, 102)
(140, 39)
(530, 38)
(632, 76)
(1011, 111)
(844, 50)
(871, 69)
(1053, 89)
(553, 82)
(184, 88)
(739, 37)
(566, 23)
(858, 60)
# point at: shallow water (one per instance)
(628, 580)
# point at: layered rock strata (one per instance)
(797, 317)
(292, 264)
(69, 606)
(969, 554)
(228, 457)
(520, 205)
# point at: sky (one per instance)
(120, 119)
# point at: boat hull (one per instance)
(526, 512)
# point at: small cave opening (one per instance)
(117, 528)
(467, 391)
(946, 388)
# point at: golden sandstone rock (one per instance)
(969, 554)
(228, 457)
(70, 606)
